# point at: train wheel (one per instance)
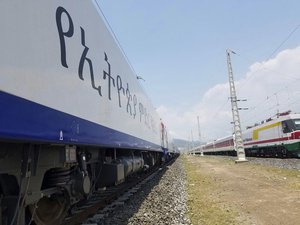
(282, 153)
(50, 210)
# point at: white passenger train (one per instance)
(275, 137)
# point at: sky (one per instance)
(179, 48)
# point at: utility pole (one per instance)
(235, 113)
(189, 145)
(201, 150)
(277, 105)
(192, 142)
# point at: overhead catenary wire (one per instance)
(271, 98)
(284, 41)
(219, 109)
(262, 66)
(122, 50)
(115, 37)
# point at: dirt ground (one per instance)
(258, 195)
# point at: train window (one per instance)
(297, 124)
(285, 127)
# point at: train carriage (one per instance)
(220, 145)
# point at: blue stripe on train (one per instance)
(28, 121)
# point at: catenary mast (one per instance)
(235, 113)
(199, 133)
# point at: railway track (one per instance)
(105, 200)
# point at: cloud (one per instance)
(268, 86)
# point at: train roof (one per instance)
(278, 118)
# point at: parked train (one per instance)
(275, 137)
(73, 116)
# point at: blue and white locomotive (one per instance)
(73, 116)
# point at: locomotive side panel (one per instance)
(271, 131)
(64, 79)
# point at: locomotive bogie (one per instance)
(43, 175)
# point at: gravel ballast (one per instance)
(161, 200)
(293, 164)
(286, 163)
